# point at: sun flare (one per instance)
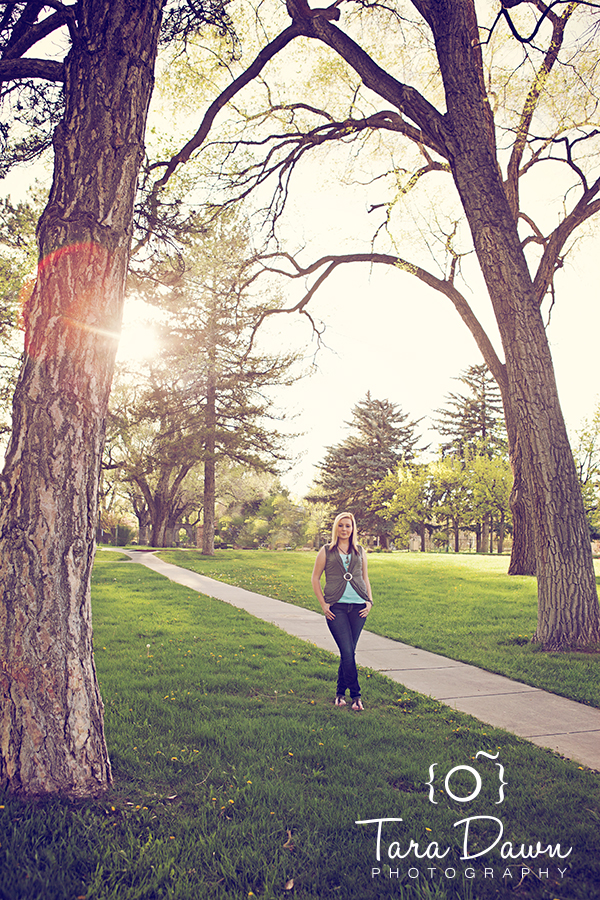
(138, 342)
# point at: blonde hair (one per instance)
(353, 536)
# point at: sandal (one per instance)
(339, 701)
(357, 704)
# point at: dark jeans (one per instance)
(346, 629)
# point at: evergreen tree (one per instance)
(474, 419)
(474, 425)
(381, 438)
(203, 397)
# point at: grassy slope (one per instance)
(235, 776)
(464, 607)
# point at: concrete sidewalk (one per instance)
(570, 728)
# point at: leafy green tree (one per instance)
(406, 499)
(381, 437)
(279, 522)
(490, 479)
(587, 460)
(452, 497)
(318, 526)
(445, 497)
(473, 424)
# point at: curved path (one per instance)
(571, 729)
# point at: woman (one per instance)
(346, 601)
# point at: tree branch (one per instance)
(559, 23)
(265, 55)
(314, 23)
(50, 70)
(550, 261)
(287, 150)
(405, 98)
(36, 33)
(444, 286)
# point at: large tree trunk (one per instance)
(163, 527)
(485, 533)
(568, 612)
(159, 535)
(51, 722)
(522, 557)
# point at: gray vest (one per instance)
(335, 583)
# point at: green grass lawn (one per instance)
(236, 777)
(465, 607)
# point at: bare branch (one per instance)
(37, 32)
(266, 54)
(430, 122)
(569, 154)
(531, 101)
(287, 151)
(537, 237)
(47, 69)
(330, 263)
(587, 207)
(310, 23)
(545, 10)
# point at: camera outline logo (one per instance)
(476, 776)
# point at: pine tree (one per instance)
(473, 420)
(381, 438)
(474, 424)
(204, 398)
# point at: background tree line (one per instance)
(454, 497)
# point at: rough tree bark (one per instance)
(522, 556)
(51, 719)
(568, 613)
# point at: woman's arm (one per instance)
(365, 574)
(318, 570)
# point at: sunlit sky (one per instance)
(386, 333)
(403, 342)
